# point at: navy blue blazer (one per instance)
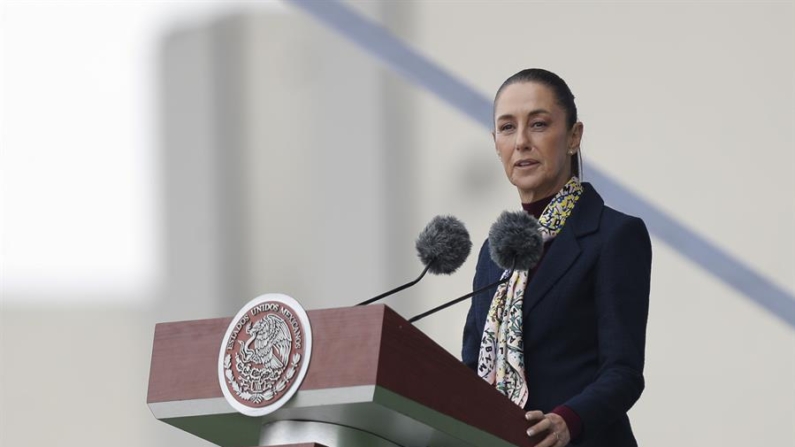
(585, 313)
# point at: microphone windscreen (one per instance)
(444, 244)
(515, 241)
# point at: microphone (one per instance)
(515, 243)
(442, 247)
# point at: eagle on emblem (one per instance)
(272, 342)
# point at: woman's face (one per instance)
(533, 139)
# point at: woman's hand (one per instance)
(551, 425)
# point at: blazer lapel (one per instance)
(562, 254)
(565, 249)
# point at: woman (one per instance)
(566, 339)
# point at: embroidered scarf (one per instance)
(501, 358)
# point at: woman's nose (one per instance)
(522, 142)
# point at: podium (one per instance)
(373, 380)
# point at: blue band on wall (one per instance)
(404, 60)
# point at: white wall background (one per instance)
(168, 161)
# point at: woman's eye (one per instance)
(506, 127)
(539, 125)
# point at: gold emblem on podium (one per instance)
(265, 354)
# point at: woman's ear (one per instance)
(575, 137)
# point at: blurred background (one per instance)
(168, 161)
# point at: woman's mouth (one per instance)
(525, 163)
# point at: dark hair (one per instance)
(561, 91)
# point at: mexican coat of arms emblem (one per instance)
(265, 354)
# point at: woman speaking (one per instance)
(564, 340)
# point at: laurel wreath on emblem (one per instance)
(261, 370)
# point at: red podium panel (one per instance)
(371, 372)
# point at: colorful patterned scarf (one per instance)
(503, 332)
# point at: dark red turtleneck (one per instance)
(536, 208)
(573, 421)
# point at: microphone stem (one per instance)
(397, 289)
(457, 300)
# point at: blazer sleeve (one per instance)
(479, 306)
(621, 288)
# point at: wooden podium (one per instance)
(373, 380)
